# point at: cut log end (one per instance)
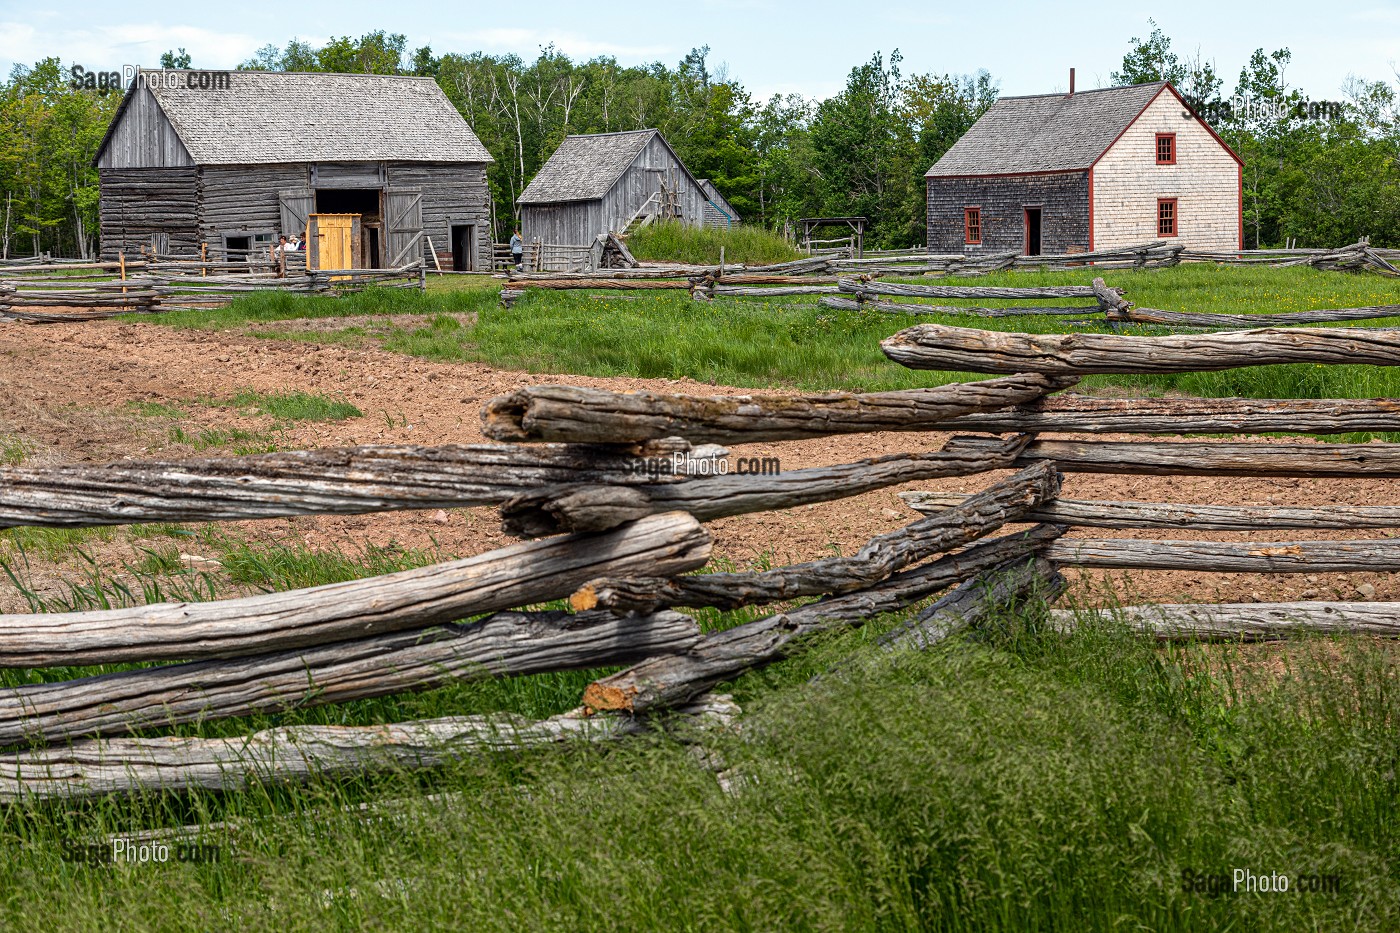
(584, 599)
(599, 697)
(502, 418)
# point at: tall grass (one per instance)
(677, 242)
(1020, 781)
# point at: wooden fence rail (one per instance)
(1216, 458)
(979, 515)
(160, 287)
(1070, 413)
(1246, 621)
(938, 346)
(520, 575)
(1093, 513)
(542, 489)
(94, 767)
(595, 416)
(1229, 556)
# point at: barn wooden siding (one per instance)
(578, 223)
(453, 194)
(243, 199)
(1205, 181)
(574, 223)
(144, 138)
(139, 203)
(718, 211)
(194, 205)
(1063, 200)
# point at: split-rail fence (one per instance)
(610, 493)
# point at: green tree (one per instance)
(179, 59)
(1152, 59)
(863, 153)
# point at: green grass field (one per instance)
(1009, 780)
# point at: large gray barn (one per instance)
(602, 182)
(234, 166)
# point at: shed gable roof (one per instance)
(266, 117)
(1046, 132)
(718, 200)
(584, 168)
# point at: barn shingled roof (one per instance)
(585, 168)
(1046, 132)
(278, 116)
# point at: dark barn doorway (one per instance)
(463, 251)
(363, 201)
(1032, 231)
(368, 203)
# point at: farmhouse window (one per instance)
(1166, 148)
(1166, 216)
(972, 225)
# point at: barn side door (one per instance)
(403, 226)
(297, 205)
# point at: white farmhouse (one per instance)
(1066, 173)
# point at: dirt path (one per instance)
(68, 392)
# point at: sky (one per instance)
(770, 47)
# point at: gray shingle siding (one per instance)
(1063, 199)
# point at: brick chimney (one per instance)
(1071, 83)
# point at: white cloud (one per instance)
(110, 48)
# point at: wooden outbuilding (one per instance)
(718, 211)
(1065, 173)
(609, 183)
(234, 165)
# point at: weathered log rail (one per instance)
(1080, 414)
(1354, 257)
(594, 416)
(1096, 513)
(38, 299)
(938, 346)
(627, 479)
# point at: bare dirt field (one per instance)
(71, 391)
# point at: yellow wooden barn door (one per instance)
(333, 241)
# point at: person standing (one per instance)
(517, 250)
(279, 256)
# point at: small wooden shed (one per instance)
(1063, 173)
(607, 183)
(235, 165)
(718, 211)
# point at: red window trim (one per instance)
(967, 226)
(1176, 217)
(1157, 151)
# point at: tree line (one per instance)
(862, 151)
